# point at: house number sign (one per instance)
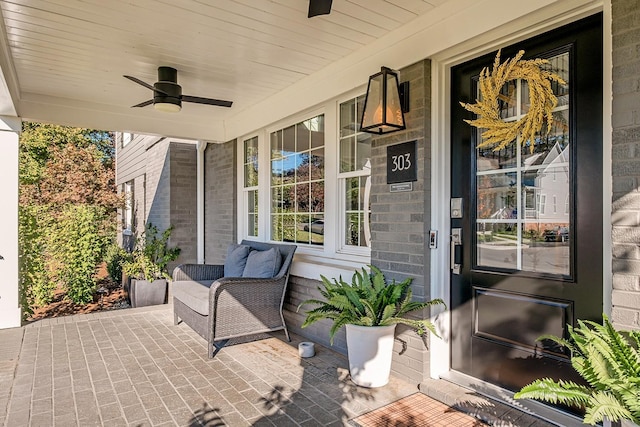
(402, 165)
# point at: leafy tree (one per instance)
(67, 210)
(77, 175)
(39, 140)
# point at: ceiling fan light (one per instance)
(167, 107)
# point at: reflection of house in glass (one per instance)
(546, 188)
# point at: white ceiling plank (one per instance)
(383, 7)
(72, 54)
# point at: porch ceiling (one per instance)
(62, 61)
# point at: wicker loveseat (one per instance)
(219, 308)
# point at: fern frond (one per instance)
(604, 404)
(548, 390)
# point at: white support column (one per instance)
(202, 145)
(10, 313)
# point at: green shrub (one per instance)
(76, 243)
(152, 255)
(34, 285)
(114, 257)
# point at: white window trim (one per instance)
(242, 203)
(342, 248)
(331, 259)
(127, 137)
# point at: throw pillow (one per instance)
(263, 264)
(236, 260)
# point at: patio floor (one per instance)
(135, 368)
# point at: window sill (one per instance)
(311, 266)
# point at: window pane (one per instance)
(252, 209)
(316, 230)
(348, 118)
(276, 142)
(497, 196)
(317, 197)
(353, 194)
(523, 214)
(317, 132)
(297, 182)
(302, 197)
(251, 162)
(288, 141)
(251, 174)
(348, 154)
(317, 164)
(303, 136)
(363, 149)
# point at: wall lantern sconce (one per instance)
(385, 103)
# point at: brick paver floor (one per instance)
(135, 368)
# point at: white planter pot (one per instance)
(370, 351)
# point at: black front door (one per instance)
(531, 222)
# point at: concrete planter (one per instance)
(143, 292)
(370, 350)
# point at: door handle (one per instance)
(456, 250)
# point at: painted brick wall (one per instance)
(399, 220)
(183, 215)
(626, 164)
(220, 200)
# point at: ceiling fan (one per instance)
(167, 93)
(319, 7)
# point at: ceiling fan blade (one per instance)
(143, 104)
(208, 101)
(319, 7)
(145, 84)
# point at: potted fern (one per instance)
(609, 362)
(369, 308)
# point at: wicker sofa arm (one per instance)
(241, 306)
(198, 272)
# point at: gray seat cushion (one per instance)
(193, 294)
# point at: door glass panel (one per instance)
(523, 196)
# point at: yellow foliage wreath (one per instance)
(498, 133)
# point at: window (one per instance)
(305, 180)
(126, 138)
(542, 203)
(297, 182)
(354, 174)
(251, 185)
(127, 213)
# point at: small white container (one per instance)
(306, 349)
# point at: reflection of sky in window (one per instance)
(289, 162)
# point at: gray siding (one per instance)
(164, 178)
(626, 164)
(220, 200)
(130, 162)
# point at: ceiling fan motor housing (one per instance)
(167, 83)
